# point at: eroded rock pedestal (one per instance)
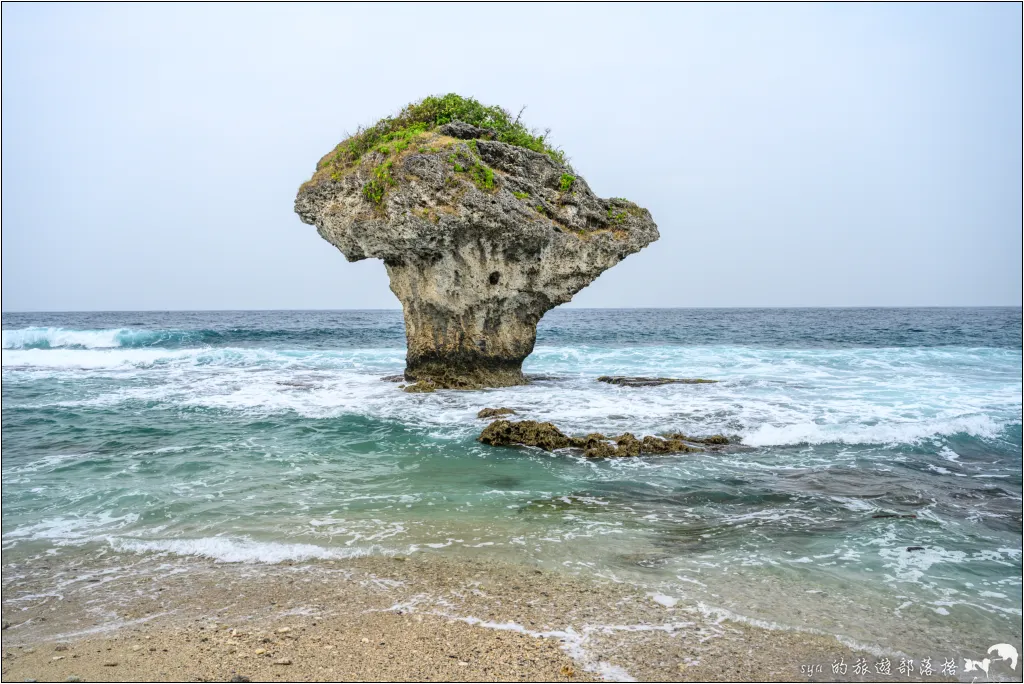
(480, 238)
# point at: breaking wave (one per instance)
(63, 338)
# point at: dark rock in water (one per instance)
(601, 449)
(503, 482)
(915, 548)
(651, 382)
(594, 445)
(713, 440)
(626, 444)
(393, 378)
(525, 433)
(494, 412)
(423, 386)
(480, 237)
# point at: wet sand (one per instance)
(154, 618)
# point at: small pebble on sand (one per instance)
(284, 630)
(283, 661)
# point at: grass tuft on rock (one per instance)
(395, 133)
(375, 189)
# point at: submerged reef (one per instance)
(482, 226)
(594, 445)
(627, 381)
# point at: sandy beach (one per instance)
(155, 618)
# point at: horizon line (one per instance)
(580, 308)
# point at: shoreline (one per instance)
(151, 617)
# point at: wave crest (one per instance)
(65, 338)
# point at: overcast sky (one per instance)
(791, 155)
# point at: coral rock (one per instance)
(525, 433)
(494, 412)
(594, 445)
(479, 237)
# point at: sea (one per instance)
(874, 490)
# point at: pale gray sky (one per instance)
(792, 155)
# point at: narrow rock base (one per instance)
(439, 374)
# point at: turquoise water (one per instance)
(262, 437)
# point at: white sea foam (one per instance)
(722, 614)
(58, 361)
(766, 397)
(242, 549)
(45, 464)
(890, 433)
(663, 599)
(71, 529)
(911, 566)
(573, 643)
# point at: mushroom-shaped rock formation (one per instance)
(482, 225)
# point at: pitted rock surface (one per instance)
(480, 238)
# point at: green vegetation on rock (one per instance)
(429, 113)
(481, 174)
(616, 217)
(374, 190)
(416, 127)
